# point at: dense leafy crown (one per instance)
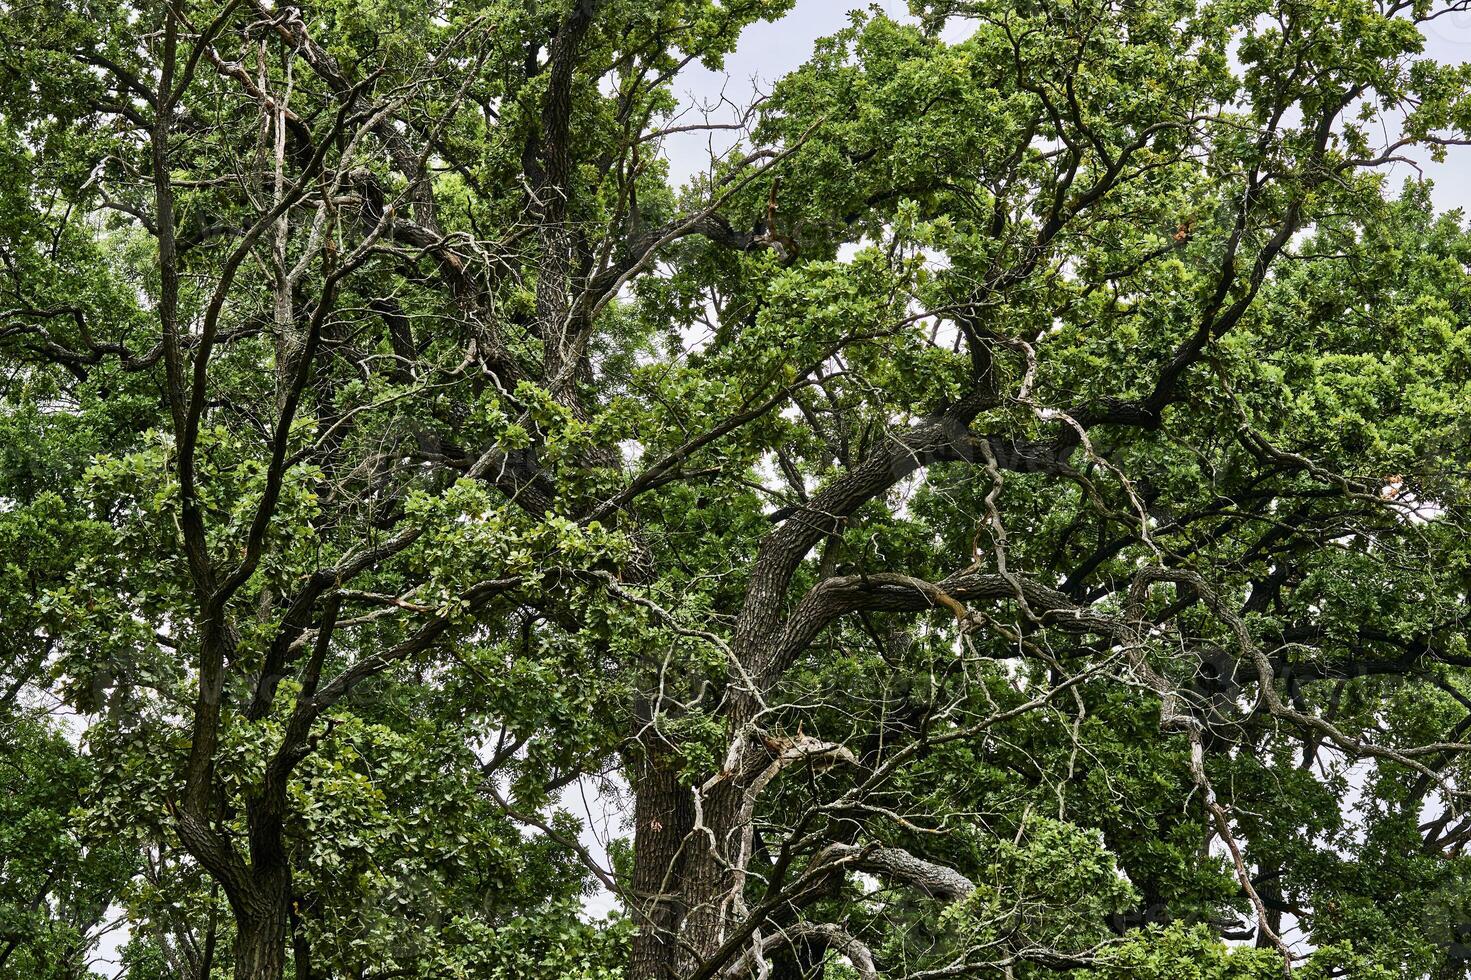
(1006, 517)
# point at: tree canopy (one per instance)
(1007, 516)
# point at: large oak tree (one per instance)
(1006, 517)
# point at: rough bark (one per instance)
(663, 816)
(260, 952)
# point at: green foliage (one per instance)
(390, 454)
(56, 880)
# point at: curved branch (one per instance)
(933, 880)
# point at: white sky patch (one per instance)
(602, 804)
(766, 52)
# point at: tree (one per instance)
(56, 880)
(1006, 517)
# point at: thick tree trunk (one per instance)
(708, 885)
(263, 910)
(260, 944)
(663, 816)
(687, 863)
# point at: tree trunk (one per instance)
(260, 945)
(712, 877)
(263, 914)
(663, 815)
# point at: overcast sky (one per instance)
(767, 51)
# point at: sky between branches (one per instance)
(767, 51)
